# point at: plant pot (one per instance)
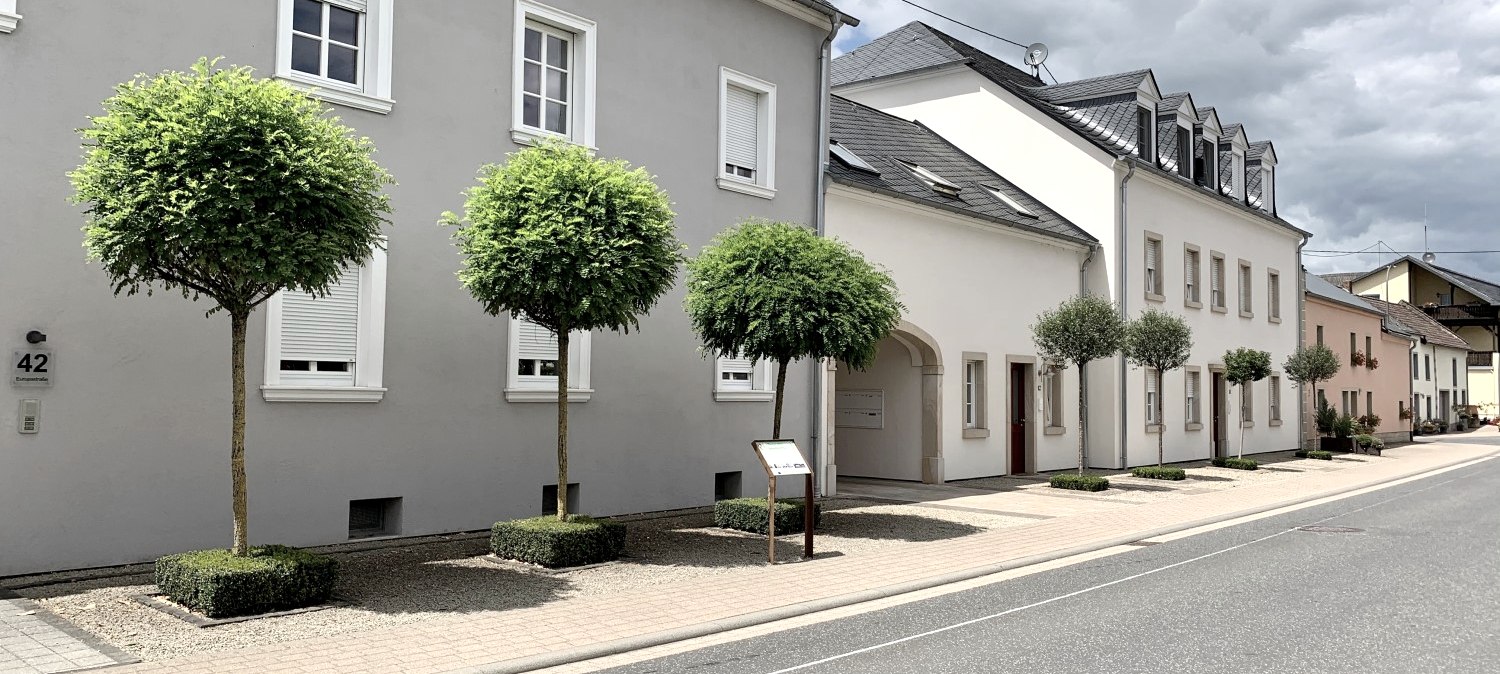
(1336, 444)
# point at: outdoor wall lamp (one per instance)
(35, 337)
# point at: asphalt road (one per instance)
(1416, 590)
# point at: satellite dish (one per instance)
(1429, 257)
(1036, 54)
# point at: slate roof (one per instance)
(1342, 279)
(1419, 323)
(1099, 109)
(827, 9)
(884, 141)
(1173, 101)
(1325, 290)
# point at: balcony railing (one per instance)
(1464, 314)
(1481, 358)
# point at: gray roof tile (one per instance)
(1321, 288)
(884, 141)
(1419, 322)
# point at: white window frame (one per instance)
(764, 184)
(1154, 278)
(369, 361)
(373, 93)
(1217, 268)
(543, 389)
(974, 395)
(1052, 399)
(1247, 404)
(1237, 181)
(1153, 381)
(762, 383)
(1192, 276)
(1192, 392)
(9, 19)
(581, 72)
(1268, 188)
(1273, 295)
(1273, 400)
(1244, 281)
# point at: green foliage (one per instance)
(1080, 330)
(1311, 364)
(1159, 473)
(1367, 441)
(217, 183)
(554, 543)
(1235, 463)
(571, 241)
(219, 584)
(778, 291)
(1242, 366)
(1079, 482)
(1158, 339)
(1315, 454)
(1325, 417)
(1343, 427)
(749, 514)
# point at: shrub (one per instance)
(749, 514)
(1315, 454)
(555, 543)
(1344, 427)
(219, 584)
(1325, 418)
(1079, 482)
(1159, 473)
(1235, 463)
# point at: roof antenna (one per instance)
(1036, 55)
(1427, 255)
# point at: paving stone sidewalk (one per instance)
(33, 641)
(595, 624)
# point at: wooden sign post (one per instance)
(781, 457)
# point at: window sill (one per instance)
(8, 21)
(323, 91)
(322, 394)
(1194, 427)
(1192, 305)
(1054, 430)
(545, 395)
(1153, 297)
(1220, 310)
(976, 432)
(521, 135)
(1274, 422)
(743, 187)
(1274, 319)
(1153, 428)
(1247, 424)
(744, 396)
(1247, 314)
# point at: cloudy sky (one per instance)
(1377, 107)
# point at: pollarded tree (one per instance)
(1309, 365)
(1242, 366)
(570, 241)
(778, 292)
(1163, 342)
(221, 185)
(1080, 330)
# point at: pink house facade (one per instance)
(1373, 350)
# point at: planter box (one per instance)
(272, 578)
(1336, 444)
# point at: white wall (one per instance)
(894, 451)
(975, 287)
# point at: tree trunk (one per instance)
(1160, 432)
(780, 393)
(1241, 453)
(562, 424)
(237, 323)
(1083, 406)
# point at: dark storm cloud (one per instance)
(1377, 108)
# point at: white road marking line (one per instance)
(1101, 586)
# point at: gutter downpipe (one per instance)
(820, 161)
(1301, 337)
(1123, 265)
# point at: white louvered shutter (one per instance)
(741, 127)
(1153, 259)
(1192, 396)
(322, 331)
(1190, 274)
(536, 342)
(1152, 376)
(1244, 288)
(736, 374)
(1216, 274)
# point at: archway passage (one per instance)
(886, 418)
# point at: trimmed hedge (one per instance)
(1159, 473)
(553, 543)
(1315, 454)
(749, 514)
(1237, 464)
(1079, 482)
(272, 578)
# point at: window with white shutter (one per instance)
(1216, 281)
(331, 347)
(1190, 276)
(1191, 407)
(553, 75)
(743, 380)
(1052, 395)
(747, 134)
(1275, 399)
(1245, 290)
(1153, 267)
(532, 372)
(1273, 294)
(1153, 397)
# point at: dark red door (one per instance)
(1217, 386)
(1018, 407)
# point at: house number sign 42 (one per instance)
(31, 367)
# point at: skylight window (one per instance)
(1012, 203)
(850, 159)
(933, 180)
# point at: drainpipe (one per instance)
(820, 161)
(1301, 337)
(1122, 261)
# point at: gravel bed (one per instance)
(448, 577)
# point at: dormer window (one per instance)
(1206, 168)
(1145, 141)
(1185, 152)
(932, 180)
